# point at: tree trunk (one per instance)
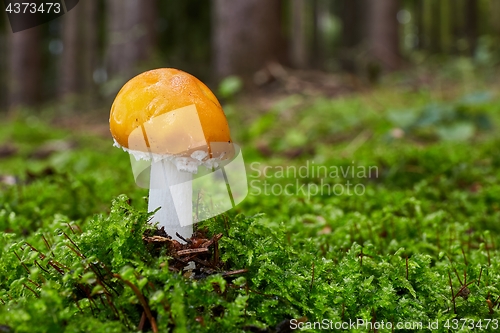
(495, 17)
(3, 70)
(445, 26)
(317, 50)
(130, 34)
(299, 56)
(471, 24)
(353, 31)
(419, 22)
(435, 35)
(456, 23)
(246, 36)
(78, 60)
(70, 79)
(89, 52)
(383, 33)
(352, 27)
(147, 17)
(115, 37)
(25, 67)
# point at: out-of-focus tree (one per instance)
(131, 34)
(70, 71)
(246, 35)
(445, 25)
(317, 49)
(495, 17)
(434, 15)
(184, 35)
(79, 55)
(3, 62)
(298, 43)
(90, 46)
(471, 24)
(24, 64)
(383, 33)
(353, 16)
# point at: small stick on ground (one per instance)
(184, 239)
(48, 245)
(454, 270)
(239, 271)
(23, 264)
(70, 228)
(143, 301)
(34, 292)
(465, 258)
(43, 269)
(74, 244)
(192, 251)
(452, 294)
(33, 282)
(140, 327)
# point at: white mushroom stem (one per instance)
(171, 190)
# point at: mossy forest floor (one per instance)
(412, 238)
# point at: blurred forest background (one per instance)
(89, 53)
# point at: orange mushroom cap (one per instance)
(168, 112)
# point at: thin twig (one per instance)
(189, 241)
(23, 264)
(211, 241)
(192, 251)
(479, 279)
(238, 271)
(43, 269)
(34, 292)
(455, 270)
(49, 247)
(140, 327)
(452, 293)
(33, 282)
(74, 244)
(70, 228)
(143, 301)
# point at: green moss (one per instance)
(427, 221)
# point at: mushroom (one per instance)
(169, 120)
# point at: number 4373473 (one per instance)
(31, 7)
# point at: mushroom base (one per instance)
(171, 192)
